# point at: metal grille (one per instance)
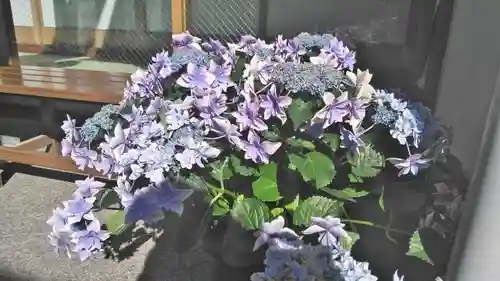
(225, 20)
(146, 32)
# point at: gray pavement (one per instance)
(25, 204)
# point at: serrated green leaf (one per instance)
(348, 244)
(220, 170)
(115, 220)
(314, 166)
(367, 163)
(301, 143)
(416, 248)
(354, 179)
(299, 112)
(277, 211)
(250, 213)
(332, 140)
(316, 206)
(294, 204)
(241, 169)
(381, 200)
(265, 187)
(348, 194)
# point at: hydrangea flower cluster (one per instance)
(75, 227)
(199, 101)
(288, 259)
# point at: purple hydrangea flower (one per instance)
(89, 240)
(247, 116)
(334, 111)
(211, 106)
(152, 200)
(176, 118)
(88, 187)
(330, 229)
(214, 46)
(195, 153)
(163, 64)
(412, 164)
(357, 111)
(257, 151)
(325, 59)
(350, 140)
(185, 40)
(222, 75)
(258, 68)
(273, 233)
(275, 105)
(196, 77)
(59, 220)
(78, 209)
(246, 44)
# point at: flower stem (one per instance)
(377, 226)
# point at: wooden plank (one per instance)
(41, 159)
(34, 143)
(63, 92)
(37, 16)
(179, 16)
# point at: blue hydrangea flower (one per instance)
(184, 56)
(153, 199)
(88, 187)
(384, 115)
(306, 77)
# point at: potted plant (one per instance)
(263, 133)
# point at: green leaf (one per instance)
(346, 194)
(316, 206)
(348, 244)
(299, 112)
(220, 170)
(277, 211)
(238, 70)
(115, 220)
(107, 198)
(381, 200)
(293, 141)
(293, 205)
(270, 135)
(355, 179)
(250, 213)
(265, 187)
(332, 140)
(241, 169)
(367, 164)
(315, 166)
(220, 207)
(416, 249)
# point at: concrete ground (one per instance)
(25, 204)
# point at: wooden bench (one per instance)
(49, 89)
